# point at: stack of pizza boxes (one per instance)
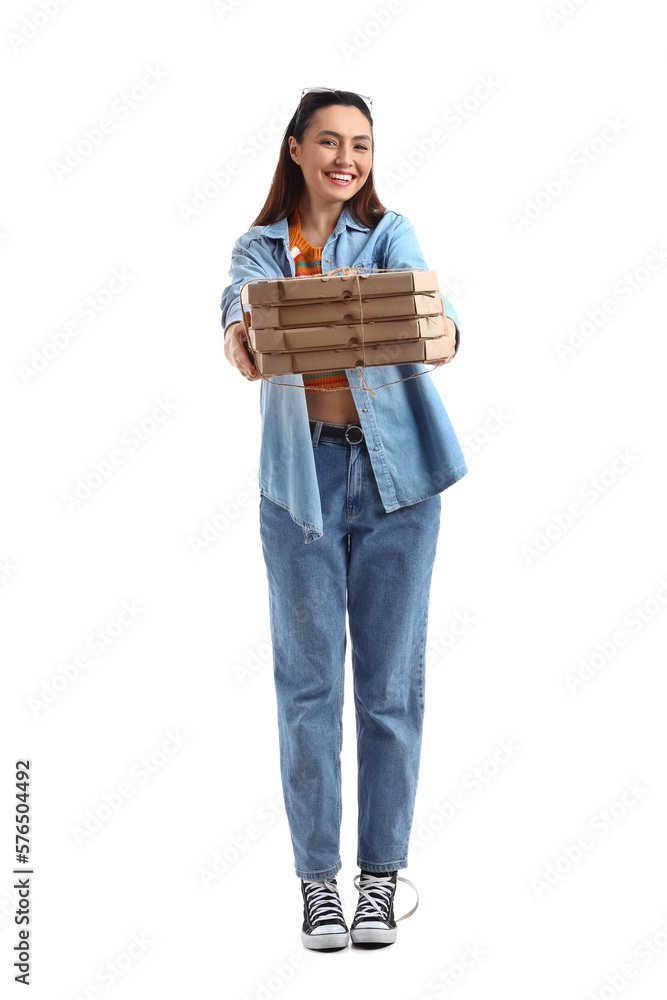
(312, 324)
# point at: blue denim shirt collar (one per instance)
(280, 229)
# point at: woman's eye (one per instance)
(359, 145)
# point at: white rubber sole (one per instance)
(373, 935)
(323, 942)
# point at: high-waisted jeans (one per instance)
(378, 566)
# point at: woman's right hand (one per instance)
(235, 352)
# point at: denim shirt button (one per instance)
(364, 410)
(376, 448)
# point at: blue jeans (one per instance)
(378, 566)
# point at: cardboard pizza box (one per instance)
(395, 353)
(327, 313)
(346, 335)
(338, 287)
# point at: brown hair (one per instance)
(288, 184)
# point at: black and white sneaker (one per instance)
(324, 926)
(374, 921)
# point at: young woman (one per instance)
(349, 512)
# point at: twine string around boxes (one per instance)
(366, 388)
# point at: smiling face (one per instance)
(348, 152)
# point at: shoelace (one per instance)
(323, 902)
(383, 884)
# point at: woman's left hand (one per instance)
(450, 341)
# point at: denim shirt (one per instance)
(412, 445)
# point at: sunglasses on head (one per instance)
(330, 90)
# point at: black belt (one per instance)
(336, 431)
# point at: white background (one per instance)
(194, 659)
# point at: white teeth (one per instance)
(341, 177)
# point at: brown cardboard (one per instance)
(314, 324)
(339, 286)
(396, 353)
(347, 335)
(327, 313)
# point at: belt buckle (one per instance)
(354, 427)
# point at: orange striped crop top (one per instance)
(307, 262)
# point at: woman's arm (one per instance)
(404, 251)
(244, 266)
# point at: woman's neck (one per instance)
(318, 221)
